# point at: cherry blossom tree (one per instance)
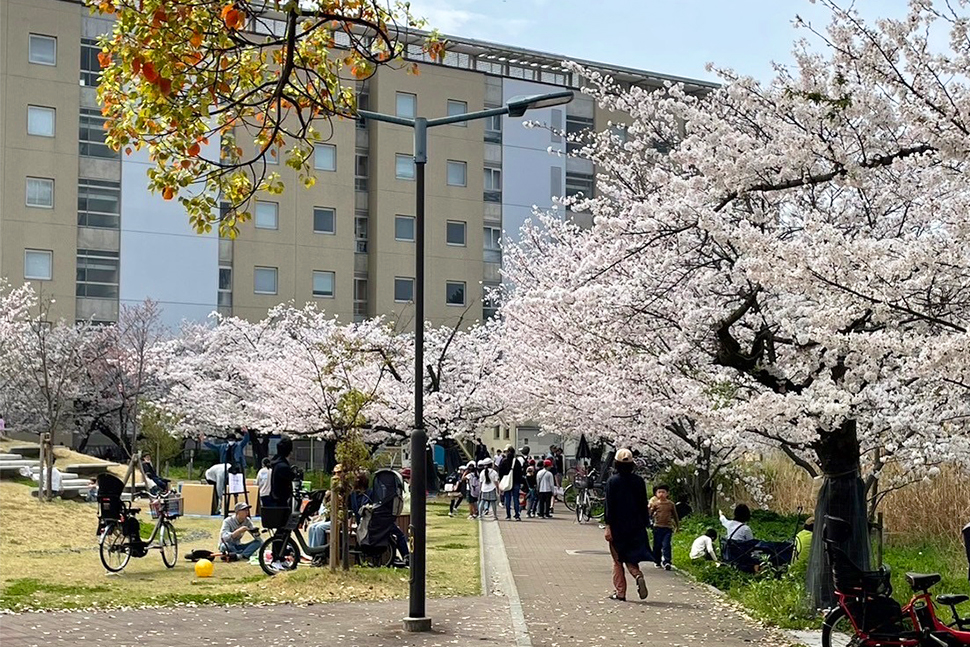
(793, 250)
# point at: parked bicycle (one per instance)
(868, 616)
(119, 531)
(585, 497)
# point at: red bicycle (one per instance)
(868, 616)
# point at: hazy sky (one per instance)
(670, 36)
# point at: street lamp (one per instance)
(515, 107)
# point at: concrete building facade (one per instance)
(77, 221)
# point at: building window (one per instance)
(264, 280)
(406, 105)
(40, 121)
(493, 245)
(456, 108)
(90, 65)
(579, 184)
(42, 50)
(97, 274)
(324, 220)
(38, 264)
(91, 135)
(98, 204)
(325, 157)
(360, 296)
(455, 293)
(225, 286)
(493, 185)
(490, 300)
(457, 173)
(323, 284)
(267, 215)
(493, 129)
(403, 167)
(403, 289)
(498, 433)
(576, 127)
(40, 192)
(455, 234)
(404, 228)
(360, 171)
(360, 233)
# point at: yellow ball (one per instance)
(203, 568)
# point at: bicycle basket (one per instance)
(581, 482)
(169, 507)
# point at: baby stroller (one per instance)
(378, 537)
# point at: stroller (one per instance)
(377, 531)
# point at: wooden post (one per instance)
(48, 465)
(336, 503)
(879, 540)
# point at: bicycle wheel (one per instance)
(569, 498)
(582, 508)
(273, 564)
(169, 542)
(837, 630)
(597, 503)
(114, 548)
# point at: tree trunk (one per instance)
(702, 484)
(842, 495)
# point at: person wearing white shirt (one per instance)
(216, 475)
(738, 528)
(262, 481)
(545, 482)
(703, 546)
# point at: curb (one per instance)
(497, 578)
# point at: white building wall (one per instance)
(162, 258)
(531, 175)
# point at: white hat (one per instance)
(470, 464)
(485, 462)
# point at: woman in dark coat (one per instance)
(626, 521)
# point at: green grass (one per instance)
(781, 600)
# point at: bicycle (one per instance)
(586, 500)
(120, 537)
(868, 616)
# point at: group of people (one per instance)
(513, 479)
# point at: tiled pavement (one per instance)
(563, 577)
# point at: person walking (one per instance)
(262, 481)
(663, 512)
(626, 517)
(481, 451)
(512, 465)
(461, 490)
(489, 480)
(474, 490)
(533, 491)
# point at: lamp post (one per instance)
(515, 107)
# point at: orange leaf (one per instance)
(196, 39)
(148, 71)
(104, 58)
(136, 66)
(186, 163)
(165, 86)
(226, 9)
(194, 150)
(168, 193)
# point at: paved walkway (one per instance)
(562, 573)
(546, 585)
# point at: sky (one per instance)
(678, 37)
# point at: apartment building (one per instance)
(77, 221)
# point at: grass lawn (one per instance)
(50, 561)
(780, 601)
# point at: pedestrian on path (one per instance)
(663, 512)
(545, 481)
(512, 475)
(489, 480)
(474, 490)
(533, 489)
(626, 517)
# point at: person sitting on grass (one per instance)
(703, 546)
(233, 528)
(738, 528)
(803, 540)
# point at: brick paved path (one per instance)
(563, 595)
(457, 621)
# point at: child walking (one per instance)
(532, 491)
(665, 522)
(489, 481)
